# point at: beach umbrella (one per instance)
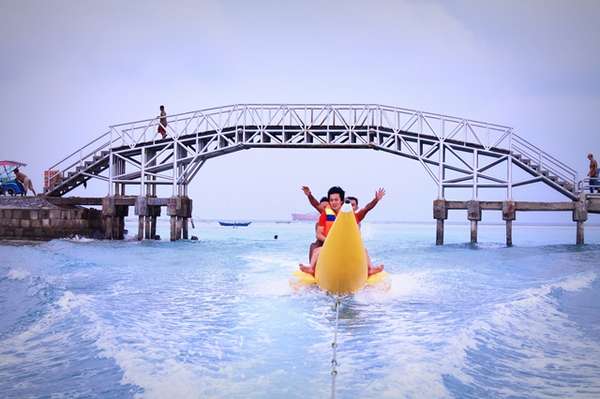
(6, 169)
(14, 164)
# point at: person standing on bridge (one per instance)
(162, 122)
(593, 174)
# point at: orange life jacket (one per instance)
(329, 220)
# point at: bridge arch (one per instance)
(454, 152)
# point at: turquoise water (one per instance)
(218, 318)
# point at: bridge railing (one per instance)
(307, 116)
(543, 160)
(312, 118)
(57, 172)
(590, 186)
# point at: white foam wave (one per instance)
(34, 341)
(526, 333)
(537, 337)
(78, 238)
(268, 275)
(408, 285)
(17, 274)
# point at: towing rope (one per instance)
(334, 362)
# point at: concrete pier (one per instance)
(509, 214)
(179, 208)
(580, 215)
(147, 215)
(113, 215)
(579, 209)
(440, 213)
(474, 215)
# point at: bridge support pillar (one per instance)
(113, 217)
(185, 229)
(147, 228)
(141, 209)
(179, 208)
(147, 215)
(440, 213)
(580, 215)
(153, 214)
(474, 215)
(509, 213)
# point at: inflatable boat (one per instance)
(342, 264)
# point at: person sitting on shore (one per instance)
(25, 181)
(335, 196)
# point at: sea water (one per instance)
(218, 318)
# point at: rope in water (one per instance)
(334, 362)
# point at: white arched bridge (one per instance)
(455, 152)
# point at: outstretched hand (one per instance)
(379, 194)
(306, 190)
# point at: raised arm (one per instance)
(311, 198)
(378, 196)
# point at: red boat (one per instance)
(305, 217)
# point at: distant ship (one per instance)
(305, 217)
(235, 224)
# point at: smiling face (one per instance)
(335, 201)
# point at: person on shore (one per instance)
(319, 207)
(25, 181)
(162, 122)
(593, 174)
(336, 198)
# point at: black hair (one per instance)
(324, 199)
(336, 190)
(162, 107)
(353, 198)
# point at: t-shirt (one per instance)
(593, 168)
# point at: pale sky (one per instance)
(71, 68)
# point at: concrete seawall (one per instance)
(34, 218)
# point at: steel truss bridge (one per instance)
(455, 152)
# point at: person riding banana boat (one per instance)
(329, 212)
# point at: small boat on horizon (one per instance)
(234, 224)
(305, 217)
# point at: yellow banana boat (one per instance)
(342, 264)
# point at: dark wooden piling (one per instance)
(440, 213)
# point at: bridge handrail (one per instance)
(584, 184)
(133, 133)
(318, 106)
(536, 148)
(77, 157)
(546, 160)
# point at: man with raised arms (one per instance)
(336, 198)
